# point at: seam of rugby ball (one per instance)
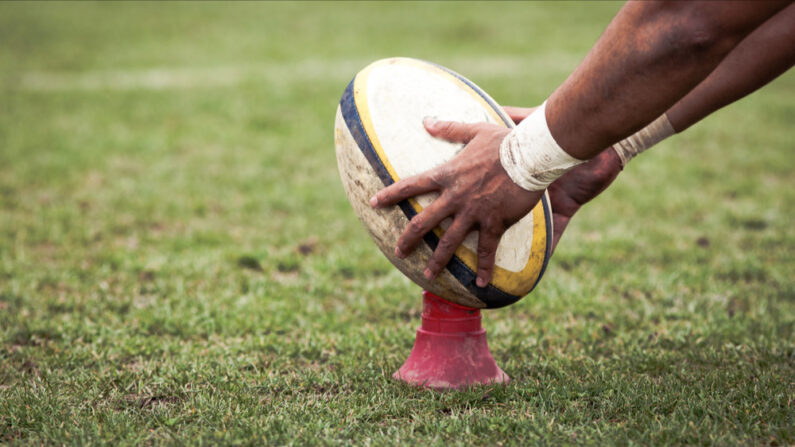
(491, 295)
(489, 100)
(545, 203)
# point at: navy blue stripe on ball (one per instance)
(350, 113)
(545, 203)
(491, 296)
(548, 250)
(354, 122)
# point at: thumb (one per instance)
(450, 130)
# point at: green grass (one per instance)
(179, 263)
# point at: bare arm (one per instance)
(763, 55)
(650, 56)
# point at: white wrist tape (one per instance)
(643, 139)
(531, 156)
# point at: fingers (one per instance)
(451, 130)
(517, 114)
(403, 189)
(447, 246)
(488, 240)
(559, 223)
(421, 224)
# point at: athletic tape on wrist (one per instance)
(643, 139)
(531, 156)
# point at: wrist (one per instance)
(531, 156)
(643, 139)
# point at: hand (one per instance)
(474, 190)
(578, 186)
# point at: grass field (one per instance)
(179, 263)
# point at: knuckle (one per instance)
(485, 254)
(405, 184)
(446, 127)
(389, 192)
(402, 188)
(385, 191)
(490, 221)
(491, 232)
(405, 240)
(445, 246)
(415, 227)
(438, 175)
(436, 264)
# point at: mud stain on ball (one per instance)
(385, 225)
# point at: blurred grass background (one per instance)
(179, 263)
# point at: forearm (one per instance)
(762, 56)
(650, 56)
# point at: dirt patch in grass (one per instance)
(308, 246)
(144, 402)
(250, 263)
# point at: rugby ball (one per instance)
(380, 139)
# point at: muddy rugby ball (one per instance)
(380, 139)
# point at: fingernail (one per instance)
(481, 282)
(373, 201)
(429, 121)
(428, 274)
(399, 253)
